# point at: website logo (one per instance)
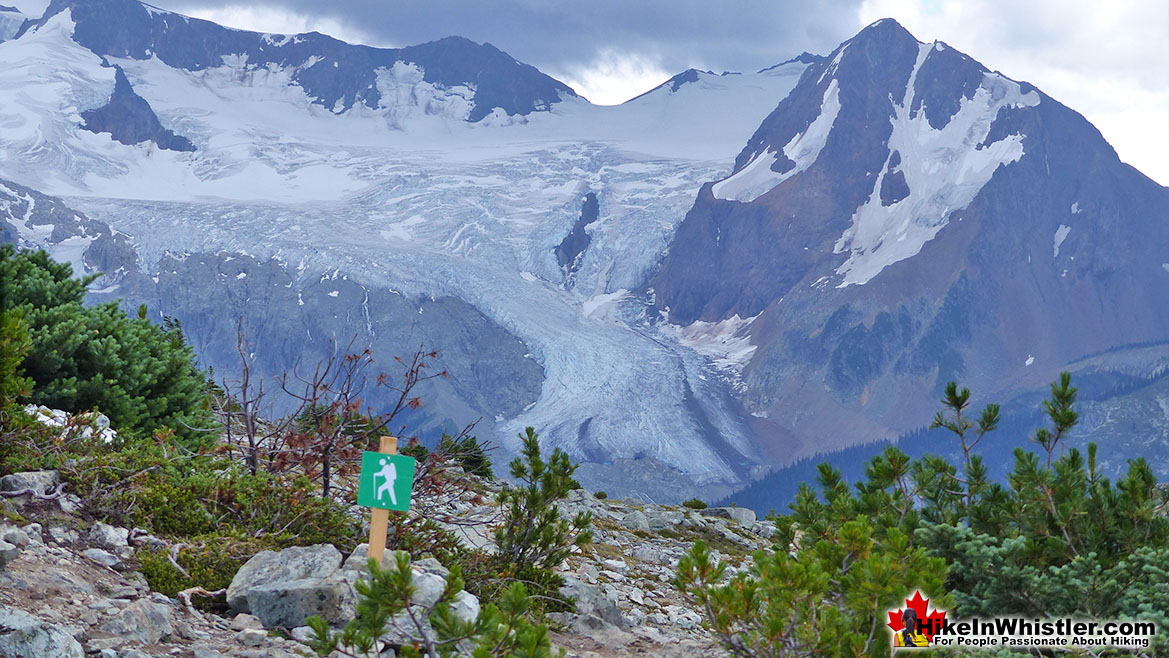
(915, 625)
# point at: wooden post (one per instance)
(379, 519)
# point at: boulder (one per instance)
(635, 520)
(42, 482)
(740, 515)
(102, 557)
(244, 621)
(109, 537)
(268, 567)
(465, 606)
(288, 603)
(591, 603)
(663, 519)
(8, 553)
(358, 560)
(32, 638)
(428, 587)
(143, 620)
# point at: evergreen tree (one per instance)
(533, 534)
(86, 358)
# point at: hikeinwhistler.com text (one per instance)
(1043, 633)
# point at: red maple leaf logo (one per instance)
(931, 622)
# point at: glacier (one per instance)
(411, 197)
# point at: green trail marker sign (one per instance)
(386, 481)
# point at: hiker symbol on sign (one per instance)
(385, 481)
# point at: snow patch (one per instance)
(944, 169)
(1029, 361)
(1061, 234)
(603, 303)
(334, 293)
(1076, 208)
(757, 177)
(726, 343)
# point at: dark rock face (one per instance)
(568, 252)
(343, 76)
(129, 119)
(1056, 257)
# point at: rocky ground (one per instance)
(70, 588)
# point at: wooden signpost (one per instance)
(385, 483)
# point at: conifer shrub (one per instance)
(84, 358)
(694, 503)
(533, 534)
(1056, 539)
(387, 606)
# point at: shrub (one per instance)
(386, 604)
(694, 503)
(532, 533)
(1057, 540)
(600, 495)
(467, 453)
(14, 347)
(96, 358)
(828, 599)
(209, 561)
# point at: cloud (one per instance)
(1107, 60)
(277, 20)
(614, 77)
(565, 36)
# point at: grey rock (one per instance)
(40, 481)
(109, 537)
(358, 560)
(14, 536)
(428, 587)
(269, 567)
(663, 519)
(244, 621)
(205, 651)
(69, 503)
(134, 653)
(302, 634)
(62, 535)
(430, 565)
(108, 653)
(8, 553)
(650, 555)
(102, 557)
(636, 520)
(592, 602)
(25, 636)
(465, 606)
(35, 533)
(741, 515)
(765, 529)
(143, 620)
(289, 603)
(251, 637)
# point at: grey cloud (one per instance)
(554, 35)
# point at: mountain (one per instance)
(905, 218)
(719, 277)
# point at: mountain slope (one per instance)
(904, 218)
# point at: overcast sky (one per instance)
(1108, 59)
